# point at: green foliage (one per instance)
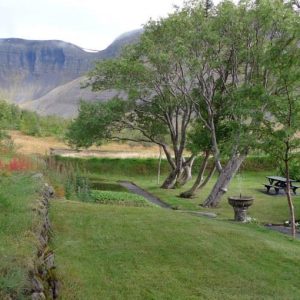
(95, 122)
(281, 129)
(128, 166)
(76, 185)
(106, 186)
(120, 198)
(30, 123)
(33, 124)
(294, 169)
(9, 115)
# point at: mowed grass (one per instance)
(265, 209)
(18, 223)
(111, 252)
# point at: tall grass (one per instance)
(141, 166)
(68, 179)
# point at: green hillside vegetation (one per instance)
(30, 123)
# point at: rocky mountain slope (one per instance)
(64, 99)
(45, 76)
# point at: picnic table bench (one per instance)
(280, 183)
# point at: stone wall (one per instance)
(43, 281)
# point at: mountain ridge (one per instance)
(50, 71)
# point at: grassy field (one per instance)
(127, 252)
(266, 208)
(28, 145)
(18, 223)
(111, 252)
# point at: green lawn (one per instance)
(113, 252)
(266, 208)
(249, 181)
(18, 223)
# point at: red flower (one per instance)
(18, 164)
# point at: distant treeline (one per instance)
(30, 123)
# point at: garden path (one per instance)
(139, 191)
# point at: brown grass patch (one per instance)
(41, 145)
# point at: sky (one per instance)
(90, 24)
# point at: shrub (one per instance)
(294, 166)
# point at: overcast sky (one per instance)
(91, 24)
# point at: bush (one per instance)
(294, 166)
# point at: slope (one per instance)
(111, 252)
(64, 99)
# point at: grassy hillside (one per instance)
(18, 223)
(111, 252)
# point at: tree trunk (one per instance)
(159, 165)
(190, 193)
(223, 180)
(186, 173)
(170, 181)
(290, 200)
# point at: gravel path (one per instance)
(283, 229)
(139, 191)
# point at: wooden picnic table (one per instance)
(280, 183)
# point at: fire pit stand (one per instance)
(240, 206)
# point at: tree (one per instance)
(247, 33)
(199, 141)
(282, 127)
(95, 122)
(152, 75)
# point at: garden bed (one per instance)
(118, 198)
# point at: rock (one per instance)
(37, 285)
(48, 191)
(42, 241)
(200, 213)
(38, 176)
(38, 296)
(207, 214)
(43, 279)
(55, 288)
(49, 261)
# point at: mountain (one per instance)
(126, 38)
(64, 99)
(45, 76)
(30, 69)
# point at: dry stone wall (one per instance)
(43, 281)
